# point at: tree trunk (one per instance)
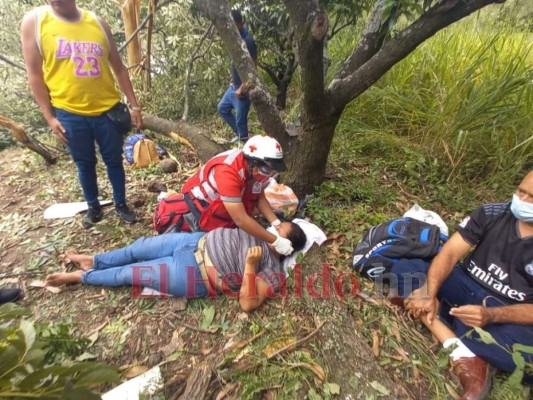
(130, 15)
(20, 136)
(200, 139)
(281, 95)
(307, 155)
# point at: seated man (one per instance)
(491, 289)
(183, 264)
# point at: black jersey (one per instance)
(502, 262)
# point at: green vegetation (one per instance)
(41, 364)
(450, 127)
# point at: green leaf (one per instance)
(332, 388)
(485, 336)
(518, 373)
(34, 356)
(9, 358)
(11, 310)
(523, 348)
(378, 387)
(28, 331)
(72, 393)
(97, 376)
(209, 315)
(37, 378)
(313, 395)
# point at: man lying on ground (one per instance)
(228, 261)
(491, 289)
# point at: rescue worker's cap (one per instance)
(266, 149)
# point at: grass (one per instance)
(466, 96)
(449, 128)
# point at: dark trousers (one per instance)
(82, 133)
(459, 289)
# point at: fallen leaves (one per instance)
(273, 347)
(313, 367)
(135, 371)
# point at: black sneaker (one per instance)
(9, 295)
(125, 214)
(92, 216)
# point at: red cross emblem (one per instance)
(278, 147)
(253, 148)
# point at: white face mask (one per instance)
(522, 210)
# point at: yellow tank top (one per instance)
(76, 63)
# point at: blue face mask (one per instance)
(522, 210)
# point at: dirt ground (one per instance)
(138, 333)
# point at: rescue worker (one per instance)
(226, 190)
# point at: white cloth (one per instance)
(314, 235)
(460, 351)
(430, 217)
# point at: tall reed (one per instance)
(465, 96)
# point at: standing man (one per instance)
(69, 53)
(492, 289)
(236, 96)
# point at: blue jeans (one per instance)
(238, 122)
(457, 290)
(81, 133)
(165, 263)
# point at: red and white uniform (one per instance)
(224, 178)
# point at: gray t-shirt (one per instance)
(227, 250)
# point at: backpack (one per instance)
(145, 154)
(385, 244)
(129, 144)
(169, 214)
(129, 148)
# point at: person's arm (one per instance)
(34, 68)
(123, 78)
(243, 221)
(253, 290)
(424, 300)
(265, 208)
(474, 315)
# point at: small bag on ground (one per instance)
(145, 154)
(169, 214)
(282, 199)
(140, 151)
(385, 244)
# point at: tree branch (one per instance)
(370, 42)
(219, 13)
(12, 63)
(310, 26)
(186, 82)
(270, 72)
(341, 91)
(200, 139)
(142, 24)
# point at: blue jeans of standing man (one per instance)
(81, 133)
(238, 122)
(165, 263)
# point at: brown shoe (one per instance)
(475, 374)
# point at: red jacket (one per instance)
(224, 178)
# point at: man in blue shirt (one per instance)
(236, 96)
